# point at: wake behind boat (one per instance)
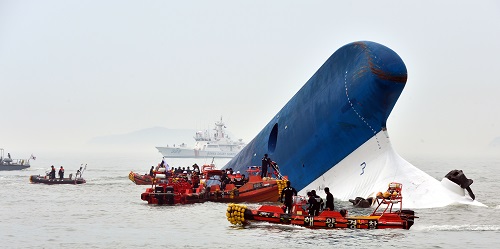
(218, 145)
(7, 163)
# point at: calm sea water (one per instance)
(107, 212)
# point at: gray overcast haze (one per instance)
(71, 71)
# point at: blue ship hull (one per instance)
(332, 133)
(344, 104)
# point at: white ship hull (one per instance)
(172, 152)
(369, 169)
(208, 145)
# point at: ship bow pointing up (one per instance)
(344, 104)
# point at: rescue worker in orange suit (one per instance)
(61, 173)
(288, 192)
(266, 161)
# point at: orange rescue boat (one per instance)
(212, 185)
(387, 214)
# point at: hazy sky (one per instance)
(74, 70)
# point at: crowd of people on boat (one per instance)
(315, 203)
(231, 177)
(192, 175)
(178, 173)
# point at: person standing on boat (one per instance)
(152, 173)
(52, 174)
(224, 180)
(288, 192)
(329, 200)
(319, 200)
(196, 168)
(61, 173)
(313, 208)
(266, 161)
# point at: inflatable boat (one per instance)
(46, 180)
(389, 213)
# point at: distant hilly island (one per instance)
(156, 136)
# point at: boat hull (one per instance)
(332, 132)
(241, 215)
(344, 104)
(388, 213)
(139, 179)
(44, 180)
(172, 152)
(182, 193)
(14, 166)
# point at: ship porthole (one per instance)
(273, 138)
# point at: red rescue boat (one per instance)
(213, 185)
(139, 179)
(387, 214)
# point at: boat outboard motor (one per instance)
(362, 202)
(169, 195)
(159, 195)
(458, 177)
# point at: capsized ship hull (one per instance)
(333, 131)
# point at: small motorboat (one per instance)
(69, 180)
(46, 180)
(7, 163)
(210, 186)
(139, 179)
(387, 214)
